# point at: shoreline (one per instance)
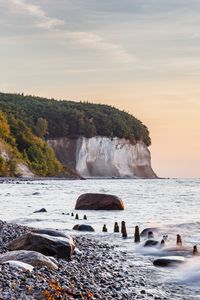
(14, 179)
(97, 271)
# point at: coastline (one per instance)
(96, 271)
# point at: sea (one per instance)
(170, 205)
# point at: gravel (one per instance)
(96, 271)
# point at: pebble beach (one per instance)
(96, 271)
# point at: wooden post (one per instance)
(104, 228)
(137, 234)
(195, 251)
(150, 234)
(123, 229)
(178, 240)
(76, 217)
(84, 217)
(116, 227)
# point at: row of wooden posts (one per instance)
(137, 233)
(124, 231)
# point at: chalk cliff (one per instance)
(104, 157)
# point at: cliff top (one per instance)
(54, 119)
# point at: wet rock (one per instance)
(84, 227)
(99, 202)
(169, 261)
(61, 247)
(29, 257)
(145, 231)
(151, 243)
(40, 210)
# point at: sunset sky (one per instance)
(140, 55)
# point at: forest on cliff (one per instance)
(73, 119)
(26, 122)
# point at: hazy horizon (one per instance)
(138, 55)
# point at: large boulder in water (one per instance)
(32, 258)
(99, 202)
(60, 247)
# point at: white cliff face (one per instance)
(105, 157)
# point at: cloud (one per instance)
(58, 29)
(43, 21)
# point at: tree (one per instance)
(41, 127)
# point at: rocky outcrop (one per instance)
(22, 170)
(104, 157)
(99, 202)
(60, 247)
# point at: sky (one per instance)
(142, 56)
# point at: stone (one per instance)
(19, 265)
(84, 227)
(151, 243)
(60, 247)
(33, 258)
(51, 232)
(99, 202)
(40, 210)
(169, 261)
(145, 231)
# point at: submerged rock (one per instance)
(61, 247)
(99, 202)
(40, 210)
(84, 227)
(33, 258)
(169, 261)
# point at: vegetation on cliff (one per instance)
(53, 119)
(19, 144)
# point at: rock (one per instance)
(20, 265)
(83, 227)
(51, 232)
(36, 194)
(40, 210)
(99, 202)
(145, 231)
(169, 261)
(61, 247)
(151, 243)
(29, 257)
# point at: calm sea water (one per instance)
(171, 205)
